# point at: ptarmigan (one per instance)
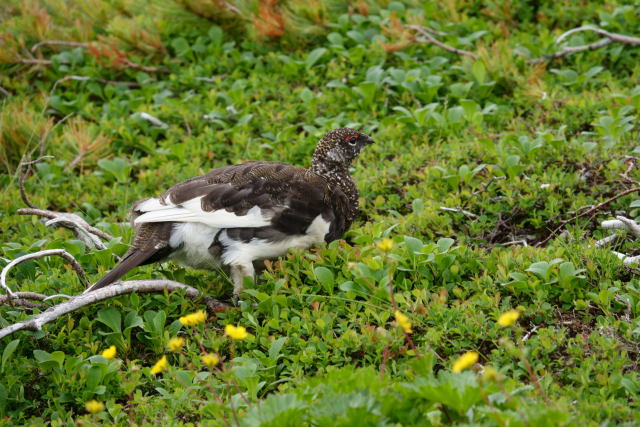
(238, 214)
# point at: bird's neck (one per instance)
(338, 175)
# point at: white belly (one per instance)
(242, 253)
(194, 240)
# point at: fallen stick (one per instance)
(587, 212)
(111, 291)
(429, 38)
(41, 254)
(608, 39)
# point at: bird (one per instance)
(238, 214)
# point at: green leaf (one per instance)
(444, 244)
(325, 278)
(479, 72)
(8, 351)
(119, 168)
(275, 347)
(314, 56)
(110, 317)
(414, 245)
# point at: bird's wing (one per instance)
(249, 195)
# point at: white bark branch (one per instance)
(60, 252)
(153, 120)
(114, 290)
(429, 38)
(608, 39)
(620, 38)
(88, 234)
(620, 223)
(459, 210)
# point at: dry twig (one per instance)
(57, 43)
(60, 252)
(608, 39)
(429, 38)
(23, 177)
(111, 291)
(85, 232)
(587, 212)
(459, 210)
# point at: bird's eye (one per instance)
(352, 139)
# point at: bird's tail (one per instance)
(131, 260)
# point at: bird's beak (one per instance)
(368, 140)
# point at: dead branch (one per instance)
(429, 38)
(619, 38)
(631, 163)
(587, 212)
(57, 43)
(5, 92)
(88, 234)
(111, 291)
(232, 8)
(608, 39)
(60, 252)
(522, 242)
(127, 63)
(459, 210)
(33, 61)
(153, 120)
(95, 79)
(23, 177)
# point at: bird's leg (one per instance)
(238, 273)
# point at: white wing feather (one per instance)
(191, 211)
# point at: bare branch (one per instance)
(232, 8)
(57, 43)
(571, 49)
(459, 210)
(608, 241)
(23, 177)
(68, 220)
(429, 38)
(623, 223)
(111, 291)
(153, 120)
(33, 61)
(620, 38)
(5, 92)
(608, 39)
(587, 212)
(522, 242)
(145, 68)
(60, 252)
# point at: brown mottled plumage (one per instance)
(254, 210)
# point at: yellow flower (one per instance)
(176, 343)
(236, 332)
(160, 365)
(193, 318)
(490, 374)
(385, 244)
(210, 359)
(465, 361)
(93, 406)
(109, 353)
(508, 318)
(403, 321)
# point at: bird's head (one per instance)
(338, 148)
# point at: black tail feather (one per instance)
(133, 259)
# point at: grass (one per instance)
(519, 147)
